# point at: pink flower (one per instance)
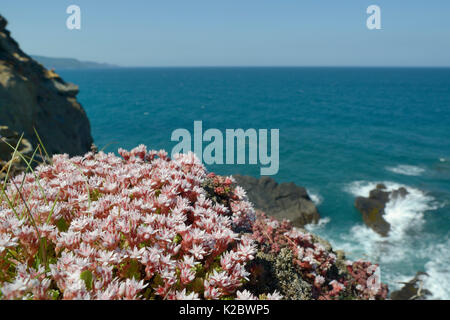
(245, 295)
(274, 296)
(183, 295)
(7, 241)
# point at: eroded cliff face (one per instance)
(34, 97)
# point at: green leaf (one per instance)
(134, 270)
(177, 239)
(54, 294)
(88, 279)
(62, 225)
(37, 261)
(157, 281)
(42, 252)
(95, 195)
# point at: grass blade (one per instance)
(12, 158)
(41, 144)
(32, 171)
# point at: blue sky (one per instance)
(236, 32)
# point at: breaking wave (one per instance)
(397, 254)
(315, 228)
(403, 214)
(438, 270)
(407, 170)
(315, 197)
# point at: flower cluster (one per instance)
(139, 226)
(144, 226)
(316, 264)
(225, 191)
(366, 280)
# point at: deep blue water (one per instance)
(341, 131)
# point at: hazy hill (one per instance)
(70, 63)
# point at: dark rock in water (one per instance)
(372, 208)
(399, 193)
(282, 201)
(34, 97)
(373, 211)
(381, 186)
(379, 194)
(412, 290)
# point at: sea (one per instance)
(341, 132)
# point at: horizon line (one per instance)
(114, 66)
(110, 65)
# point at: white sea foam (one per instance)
(404, 214)
(405, 243)
(360, 188)
(438, 270)
(407, 170)
(315, 197)
(442, 160)
(318, 226)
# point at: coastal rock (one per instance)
(9, 137)
(372, 207)
(412, 290)
(34, 97)
(277, 272)
(282, 201)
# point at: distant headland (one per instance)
(70, 63)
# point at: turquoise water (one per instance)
(342, 130)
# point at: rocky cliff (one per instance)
(282, 201)
(34, 97)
